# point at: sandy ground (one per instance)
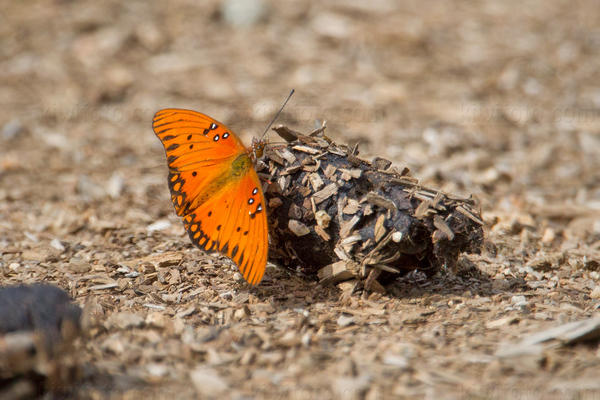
(496, 99)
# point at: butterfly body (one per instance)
(215, 189)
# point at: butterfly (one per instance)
(215, 188)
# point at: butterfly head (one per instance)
(257, 149)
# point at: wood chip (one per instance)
(348, 242)
(291, 170)
(335, 272)
(405, 180)
(380, 230)
(304, 191)
(186, 312)
(295, 212)
(275, 202)
(423, 209)
(283, 182)
(341, 253)
(104, 286)
(371, 283)
(330, 171)
(352, 207)
(298, 228)
(469, 214)
(315, 181)
(348, 225)
(322, 233)
(308, 203)
(439, 223)
(309, 165)
(287, 155)
(384, 267)
(380, 201)
(287, 134)
(381, 163)
(325, 193)
(497, 323)
(306, 149)
(355, 160)
(352, 173)
(323, 219)
(274, 156)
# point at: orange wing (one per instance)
(215, 188)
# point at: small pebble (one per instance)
(243, 13)
(156, 320)
(124, 320)
(548, 236)
(518, 299)
(89, 189)
(397, 237)
(114, 186)
(157, 370)
(55, 243)
(345, 320)
(208, 382)
(12, 129)
(158, 226)
(395, 360)
(306, 339)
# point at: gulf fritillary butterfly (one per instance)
(215, 188)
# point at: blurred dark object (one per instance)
(337, 217)
(38, 324)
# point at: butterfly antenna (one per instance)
(278, 112)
